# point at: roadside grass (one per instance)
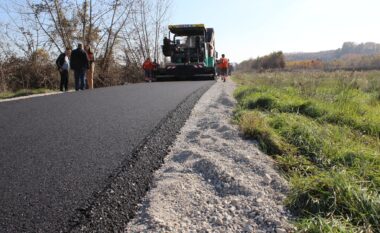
(333, 225)
(323, 129)
(23, 92)
(338, 103)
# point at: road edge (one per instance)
(31, 96)
(111, 209)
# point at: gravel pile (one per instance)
(213, 180)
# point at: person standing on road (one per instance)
(223, 65)
(90, 71)
(148, 69)
(79, 63)
(155, 68)
(63, 64)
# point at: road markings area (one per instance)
(31, 96)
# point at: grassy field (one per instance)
(23, 92)
(323, 129)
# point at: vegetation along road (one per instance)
(323, 129)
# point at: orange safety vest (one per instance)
(148, 65)
(223, 63)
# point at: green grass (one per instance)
(333, 225)
(23, 92)
(323, 129)
(350, 107)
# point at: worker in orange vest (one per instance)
(223, 65)
(148, 69)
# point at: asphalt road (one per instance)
(56, 151)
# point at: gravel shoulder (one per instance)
(213, 180)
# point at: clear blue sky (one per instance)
(251, 28)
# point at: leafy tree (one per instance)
(275, 60)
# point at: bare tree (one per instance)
(160, 17)
(59, 28)
(119, 17)
(122, 32)
(89, 19)
(21, 30)
(142, 37)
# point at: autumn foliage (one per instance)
(346, 62)
(275, 60)
(308, 64)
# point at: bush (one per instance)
(275, 60)
(39, 71)
(36, 71)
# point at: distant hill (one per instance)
(348, 49)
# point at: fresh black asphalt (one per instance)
(81, 161)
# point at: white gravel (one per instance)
(213, 180)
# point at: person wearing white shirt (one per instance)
(63, 64)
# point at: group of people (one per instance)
(81, 61)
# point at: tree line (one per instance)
(122, 33)
(347, 49)
(277, 60)
(348, 62)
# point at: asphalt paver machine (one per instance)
(191, 51)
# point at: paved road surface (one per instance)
(56, 151)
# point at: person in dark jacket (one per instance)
(79, 63)
(63, 65)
